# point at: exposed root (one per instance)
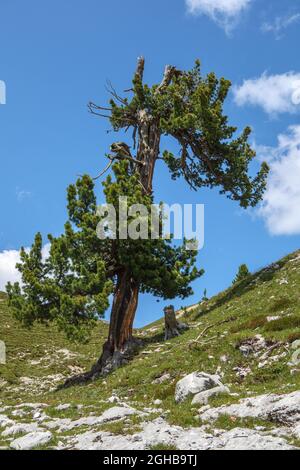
(107, 363)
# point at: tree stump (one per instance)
(173, 327)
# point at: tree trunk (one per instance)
(173, 327)
(120, 343)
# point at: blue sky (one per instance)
(55, 56)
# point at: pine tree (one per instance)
(72, 287)
(242, 274)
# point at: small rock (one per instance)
(63, 407)
(269, 319)
(296, 345)
(224, 358)
(157, 402)
(113, 399)
(242, 372)
(162, 379)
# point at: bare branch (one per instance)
(168, 75)
(96, 106)
(140, 68)
(113, 92)
(104, 171)
(203, 333)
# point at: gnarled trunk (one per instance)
(120, 343)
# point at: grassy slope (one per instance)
(271, 292)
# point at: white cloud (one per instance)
(274, 93)
(224, 12)
(280, 24)
(8, 261)
(281, 205)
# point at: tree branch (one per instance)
(140, 68)
(167, 78)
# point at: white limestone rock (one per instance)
(31, 440)
(202, 398)
(195, 383)
(283, 409)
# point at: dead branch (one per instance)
(167, 78)
(113, 92)
(209, 327)
(271, 349)
(140, 68)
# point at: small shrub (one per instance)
(242, 274)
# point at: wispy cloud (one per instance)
(280, 24)
(274, 93)
(226, 13)
(22, 194)
(8, 261)
(280, 208)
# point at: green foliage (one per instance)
(205, 298)
(242, 274)
(161, 269)
(73, 285)
(190, 110)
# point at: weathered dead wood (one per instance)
(206, 329)
(173, 327)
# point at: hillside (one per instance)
(247, 335)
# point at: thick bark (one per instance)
(120, 343)
(173, 327)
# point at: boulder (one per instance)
(20, 428)
(282, 409)
(117, 413)
(202, 398)
(195, 383)
(31, 440)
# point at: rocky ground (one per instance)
(29, 426)
(231, 381)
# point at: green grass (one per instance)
(35, 353)
(282, 324)
(163, 446)
(229, 422)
